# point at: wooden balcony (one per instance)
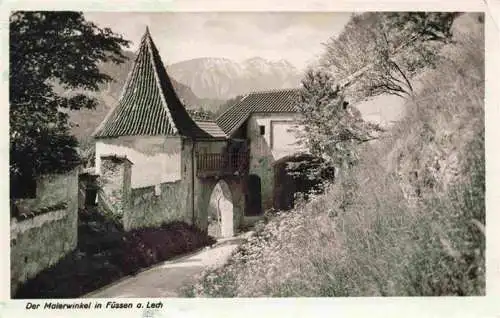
(216, 164)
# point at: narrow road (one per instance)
(166, 279)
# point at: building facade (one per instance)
(267, 121)
(156, 164)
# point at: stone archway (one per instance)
(290, 177)
(220, 211)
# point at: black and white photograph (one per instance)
(246, 154)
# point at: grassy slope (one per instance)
(414, 221)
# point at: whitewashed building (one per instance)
(155, 163)
(267, 121)
(158, 165)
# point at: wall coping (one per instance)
(117, 158)
(20, 226)
(20, 215)
(152, 186)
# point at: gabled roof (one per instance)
(272, 101)
(148, 104)
(211, 128)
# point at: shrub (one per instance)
(147, 246)
(103, 257)
(408, 220)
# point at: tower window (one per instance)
(262, 129)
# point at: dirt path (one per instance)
(165, 279)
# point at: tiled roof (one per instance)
(211, 128)
(273, 101)
(148, 104)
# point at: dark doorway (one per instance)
(284, 187)
(254, 197)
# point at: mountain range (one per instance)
(221, 78)
(200, 83)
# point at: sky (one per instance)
(293, 36)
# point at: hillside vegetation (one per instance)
(407, 220)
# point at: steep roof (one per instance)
(211, 128)
(273, 101)
(148, 104)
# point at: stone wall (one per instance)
(154, 205)
(188, 175)
(186, 199)
(115, 182)
(43, 229)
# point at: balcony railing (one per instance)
(213, 164)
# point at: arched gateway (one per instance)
(220, 211)
(220, 204)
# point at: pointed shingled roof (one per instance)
(148, 104)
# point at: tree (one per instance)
(332, 128)
(201, 114)
(49, 49)
(380, 53)
(227, 104)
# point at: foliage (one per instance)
(46, 48)
(333, 129)
(383, 243)
(310, 174)
(106, 254)
(148, 246)
(380, 53)
(227, 104)
(201, 114)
